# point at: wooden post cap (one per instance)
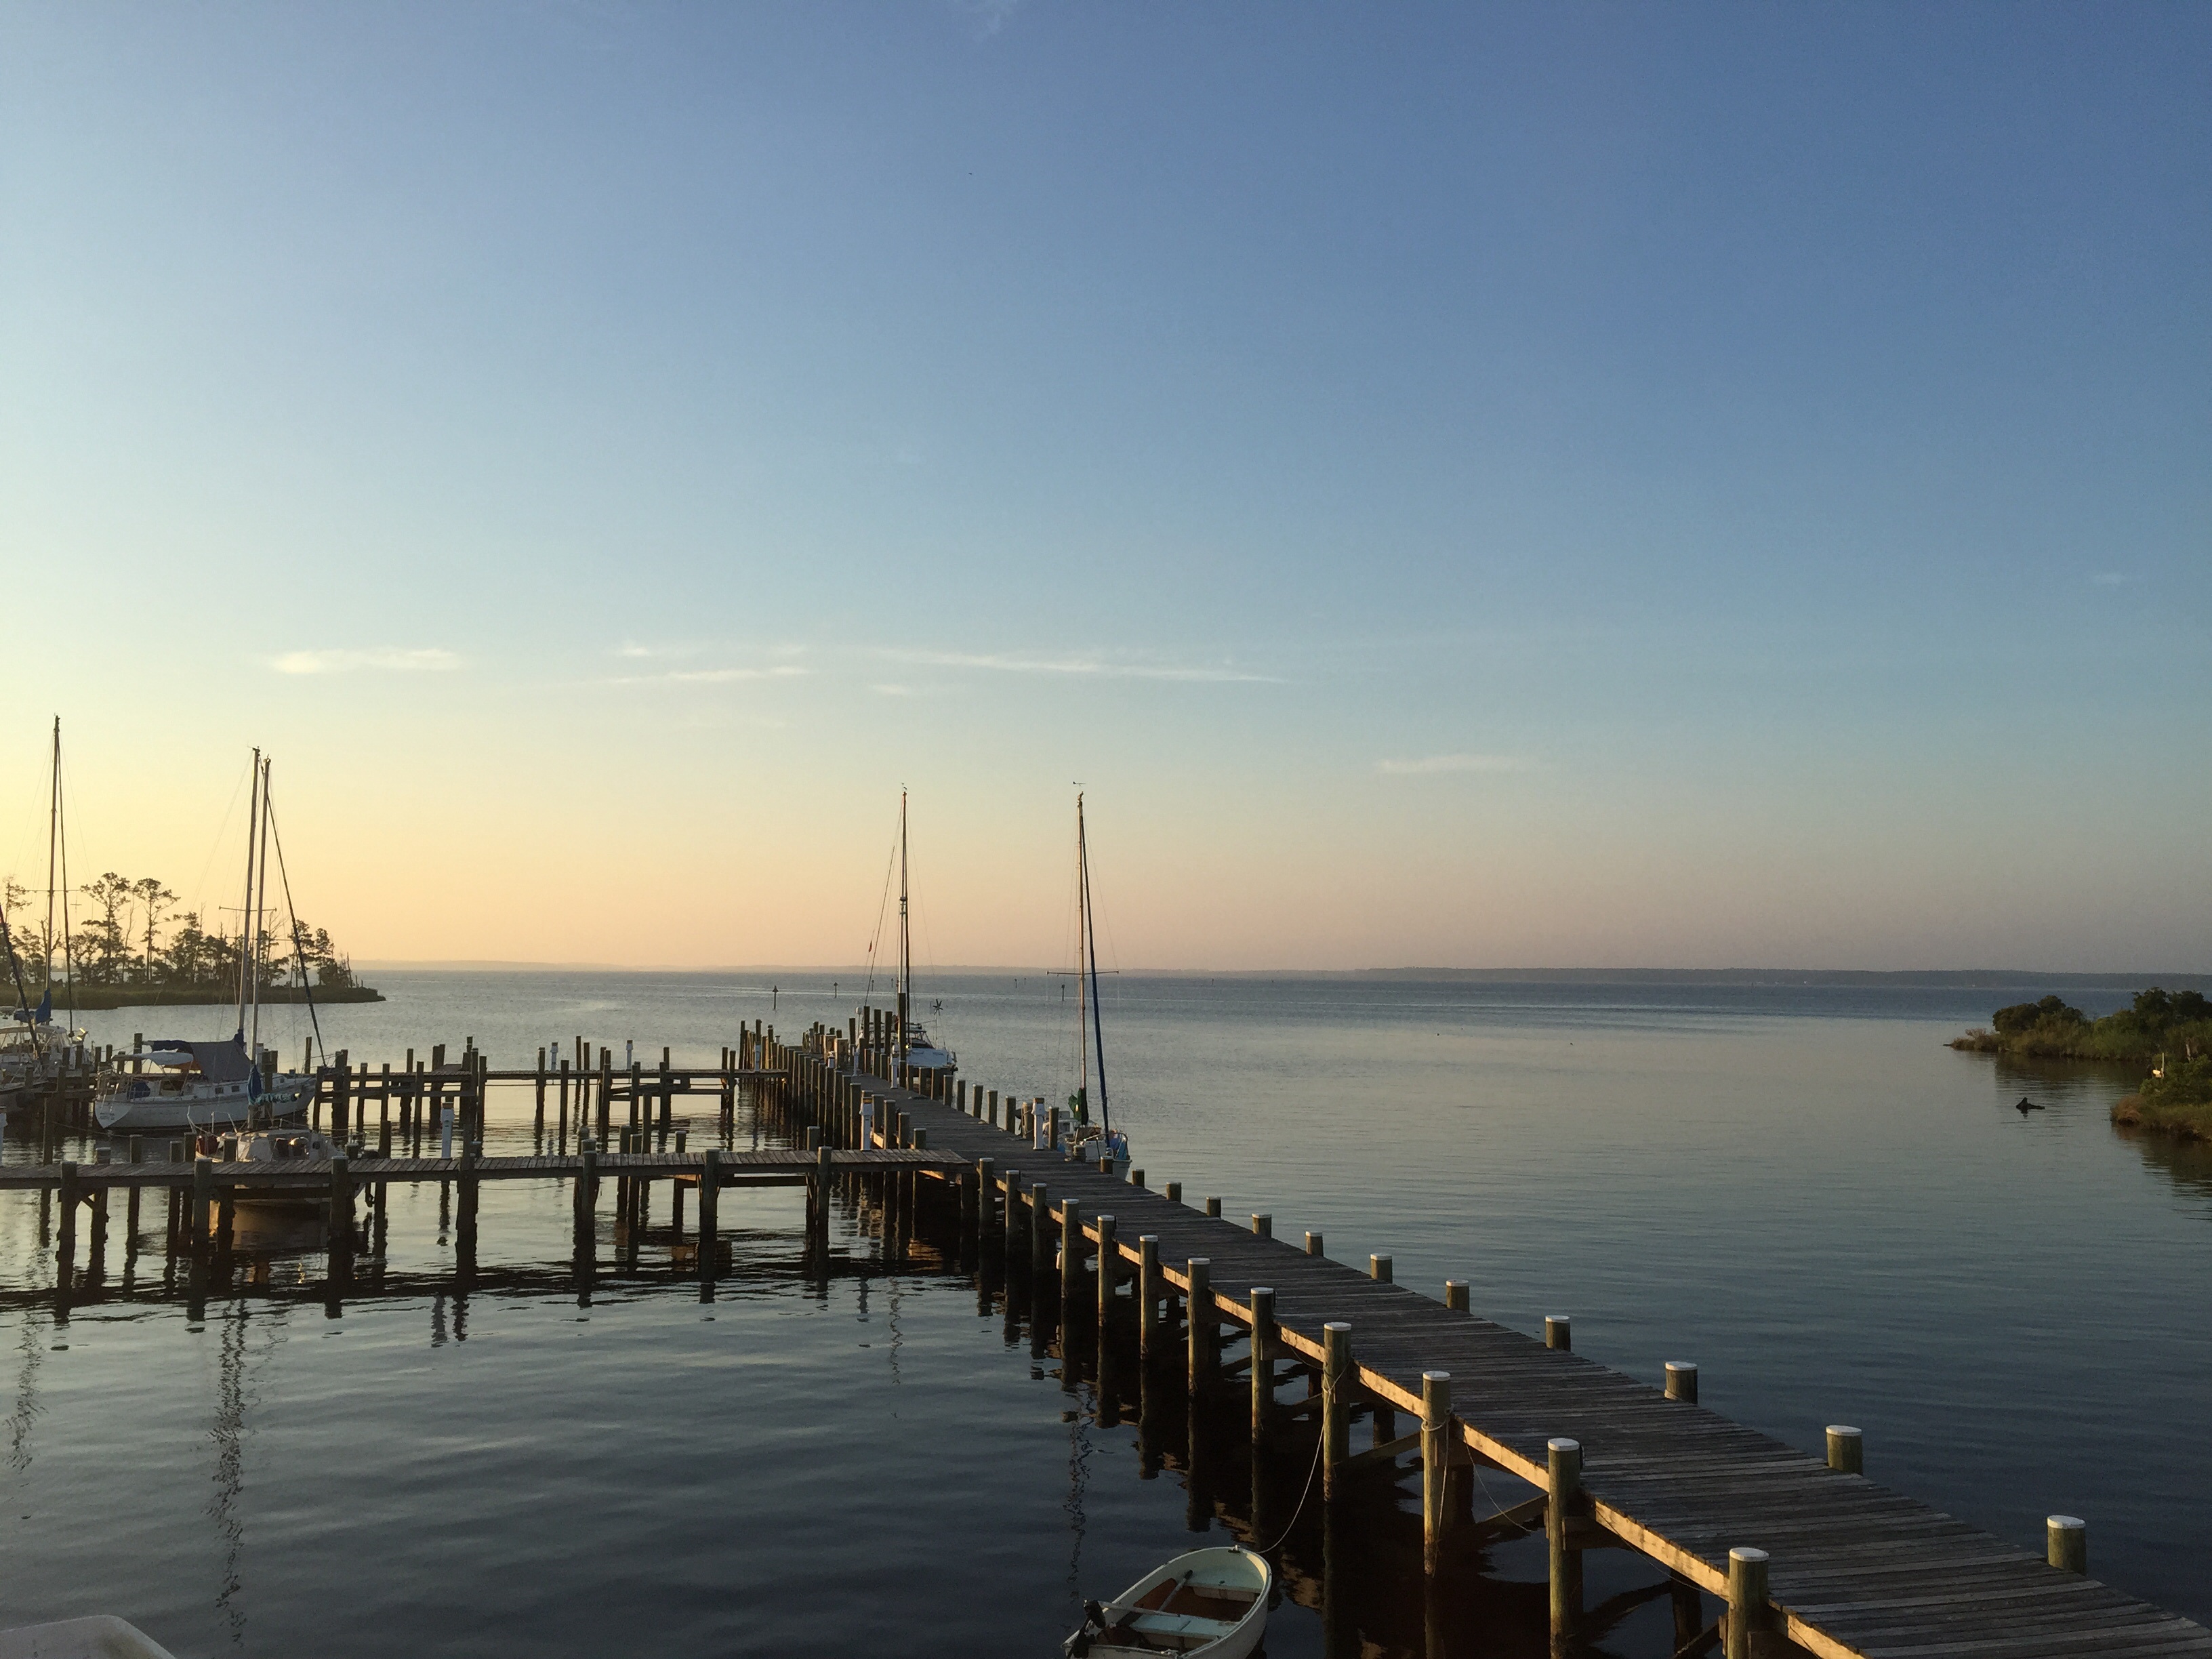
(1682, 1380)
(1264, 1226)
(1213, 1206)
(1455, 1294)
(1559, 1331)
(2067, 1541)
(1562, 1466)
(1435, 1398)
(1846, 1448)
(1378, 1266)
(1313, 1243)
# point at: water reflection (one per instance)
(2186, 1163)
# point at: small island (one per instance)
(135, 951)
(2171, 1032)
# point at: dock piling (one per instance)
(2066, 1543)
(1435, 1467)
(1205, 1333)
(1846, 1449)
(1564, 1507)
(1747, 1598)
(1263, 1360)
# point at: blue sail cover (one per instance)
(224, 1060)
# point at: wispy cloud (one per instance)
(1427, 764)
(390, 658)
(708, 675)
(1098, 667)
(986, 17)
(636, 651)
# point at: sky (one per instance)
(1546, 485)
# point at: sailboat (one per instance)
(1090, 1140)
(914, 1046)
(34, 1044)
(198, 1085)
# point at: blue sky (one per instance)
(1547, 485)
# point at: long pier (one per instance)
(1801, 1551)
(1803, 1555)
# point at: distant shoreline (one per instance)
(103, 998)
(1903, 978)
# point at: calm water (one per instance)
(1799, 1188)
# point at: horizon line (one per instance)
(2006, 975)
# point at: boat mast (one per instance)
(53, 838)
(1082, 1026)
(1090, 932)
(260, 897)
(57, 839)
(246, 915)
(906, 950)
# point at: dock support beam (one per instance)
(710, 1211)
(1108, 1261)
(1148, 1297)
(2066, 1543)
(1565, 1461)
(1205, 1335)
(1746, 1597)
(1263, 1360)
(1336, 1383)
(1436, 1468)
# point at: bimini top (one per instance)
(220, 1061)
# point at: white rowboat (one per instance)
(1210, 1603)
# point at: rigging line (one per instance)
(299, 956)
(883, 905)
(199, 888)
(61, 827)
(1090, 932)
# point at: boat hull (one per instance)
(1207, 1604)
(225, 1106)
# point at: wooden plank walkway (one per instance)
(1856, 1569)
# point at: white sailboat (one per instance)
(34, 1044)
(198, 1084)
(915, 1046)
(1090, 1140)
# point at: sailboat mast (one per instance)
(53, 839)
(260, 898)
(61, 840)
(906, 949)
(246, 911)
(1082, 1020)
(1091, 933)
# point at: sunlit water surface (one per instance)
(1800, 1189)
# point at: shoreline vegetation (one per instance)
(101, 998)
(2168, 1032)
(134, 950)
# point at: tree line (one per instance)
(134, 936)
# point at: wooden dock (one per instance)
(1804, 1554)
(1801, 1551)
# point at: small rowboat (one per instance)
(1210, 1603)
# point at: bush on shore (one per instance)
(2179, 1102)
(2177, 1024)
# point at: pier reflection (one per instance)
(1356, 1564)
